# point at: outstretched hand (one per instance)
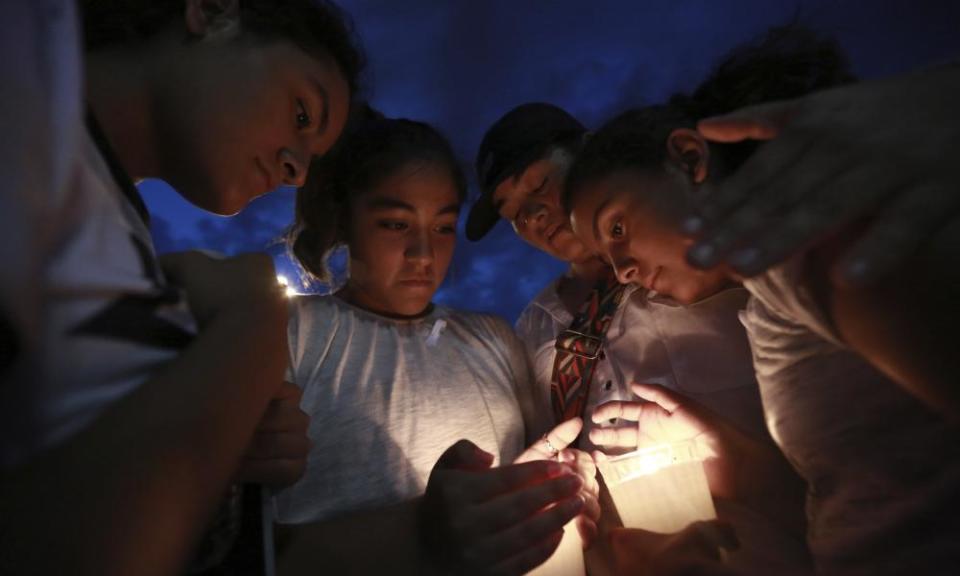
(555, 445)
(662, 416)
(870, 151)
(507, 520)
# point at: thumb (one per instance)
(464, 455)
(760, 122)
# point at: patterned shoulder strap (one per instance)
(579, 348)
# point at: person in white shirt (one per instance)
(391, 381)
(855, 393)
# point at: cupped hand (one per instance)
(663, 416)
(555, 445)
(507, 520)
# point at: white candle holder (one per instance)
(661, 489)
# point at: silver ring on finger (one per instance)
(550, 447)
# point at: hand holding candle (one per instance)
(505, 520)
(555, 445)
(664, 417)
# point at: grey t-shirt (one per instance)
(883, 471)
(386, 399)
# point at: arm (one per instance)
(906, 327)
(131, 493)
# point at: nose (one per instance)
(533, 214)
(419, 249)
(626, 268)
(294, 164)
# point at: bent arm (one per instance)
(906, 326)
(132, 492)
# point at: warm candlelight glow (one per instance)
(662, 488)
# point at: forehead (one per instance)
(516, 187)
(422, 186)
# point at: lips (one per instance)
(650, 282)
(417, 282)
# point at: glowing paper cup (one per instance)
(660, 489)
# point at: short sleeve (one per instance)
(536, 412)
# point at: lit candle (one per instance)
(662, 488)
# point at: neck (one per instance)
(356, 296)
(118, 91)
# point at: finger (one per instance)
(283, 417)
(505, 511)
(553, 442)
(591, 505)
(519, 537)
(758, 171)
(897, 233)
(273, 473)
(718, 533)
(530, 558)
(488, 484)
(768, 202)
(619, 437)
(464, 455)
(840, 199)
(617, 409)
(565, 433)
(278, 445)
(582, 462)
(760, 122)
(587, 527)
(662, 397)
(288, 391)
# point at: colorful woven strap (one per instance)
(579, 348)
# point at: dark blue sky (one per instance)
(460, 64)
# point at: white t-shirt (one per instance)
(386, 400)
(89, 314)
(699, 350)
(883, 470)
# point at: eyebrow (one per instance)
(596, 220)
(450, 209)
(325, 108)
(384, 203)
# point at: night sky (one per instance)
(460, 64)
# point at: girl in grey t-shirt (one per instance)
(391, 380)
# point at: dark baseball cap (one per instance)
(519, 138)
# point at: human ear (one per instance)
(206, 18)
(690, 151)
